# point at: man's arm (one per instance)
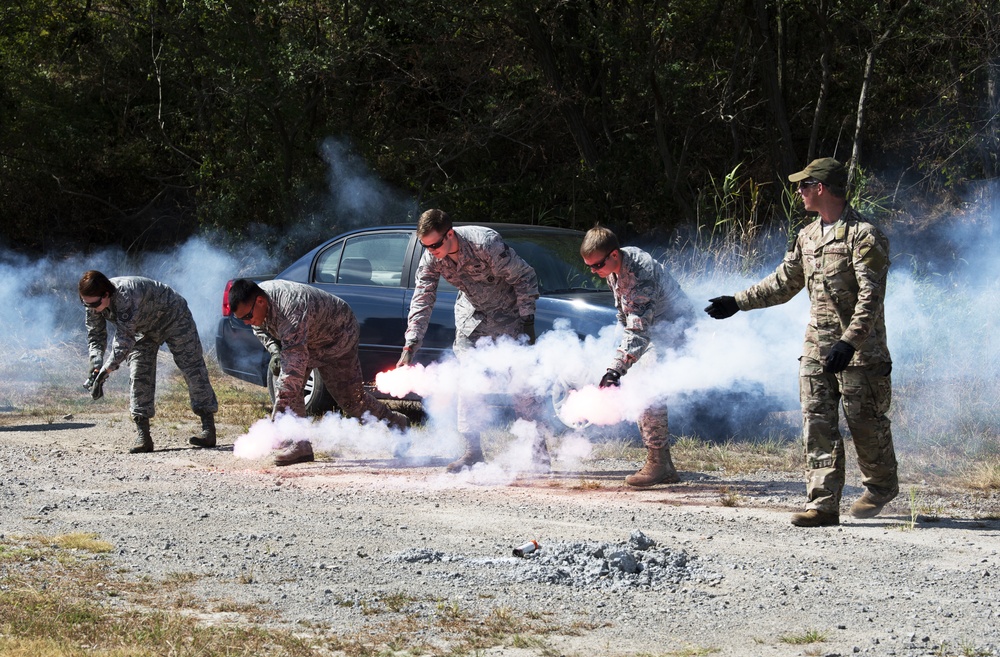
(422, 303)
(870, 258)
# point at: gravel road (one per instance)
(321, 546)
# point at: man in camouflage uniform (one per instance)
(842, 260)
(497, 294)
(145, 314)
(305, 328)
(653, 309)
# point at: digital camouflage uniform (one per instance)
(311, 328)
(844, 272)
(147, 314)
(497, 290)
(653, 309)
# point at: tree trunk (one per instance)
(863, 96)
(786, 159)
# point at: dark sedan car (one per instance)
(373, 269)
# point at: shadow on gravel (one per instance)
(54, 426)
(886, 521)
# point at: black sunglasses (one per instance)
(249, 315)
(435, 245)
(806, 184)
(600, 264)
(92, 304)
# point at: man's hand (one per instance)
(610, 379)
(92, 377)
(840, 355)
(275, 364)
(97, 390)
(722, 307)
(405, 358)
(528, 328)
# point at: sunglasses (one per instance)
(600, 264)
(435, 245)
(249, 315)
(806, 184)
(92, 304)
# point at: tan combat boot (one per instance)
(207, 436)
(473, 454)
(815, 518)
(659, 469)
(871, 502)
(143, 441)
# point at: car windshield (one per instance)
(557, 262)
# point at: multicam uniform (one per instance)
(652, 308)
(147, 314)
(311, 328)
(844, 270)
(497, 291)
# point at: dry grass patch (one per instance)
(737, 457)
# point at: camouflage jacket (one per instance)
(305, 325)
(844, 272)
(139, 307)
(493, 282)
(648, 299)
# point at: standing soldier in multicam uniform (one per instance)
(842, 260)
(304, 328)
(497, 294)
(653, 309)
(145, 314)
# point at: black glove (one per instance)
(405, 358)
(92, 377)
(275, 364)
(97, 390)
(610, 379)
(722, 307)
(528, 328)
(840, 355)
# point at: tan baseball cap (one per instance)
(826, 170)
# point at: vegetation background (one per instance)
(141, 122)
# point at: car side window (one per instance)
(328, 264)
(373, 260)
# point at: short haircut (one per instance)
(598, 240)
(433, 221)
(95, 284)
(836, 190)
(243, 290)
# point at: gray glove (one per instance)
(97, 390)
(275, 364)
(89, 383)
(406, 357)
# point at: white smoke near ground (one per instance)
(725, 380)
(46, 342)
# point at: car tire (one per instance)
(317, 400)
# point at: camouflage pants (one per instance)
(344, 381)
(653, 422)
(865, 393)
(181, 338)
(472, 414)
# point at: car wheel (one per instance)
(317, 400)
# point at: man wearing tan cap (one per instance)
(842, 260)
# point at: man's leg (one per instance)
(659, 467)
(142, 391)
(867, 396)
(819, 394)
(185, 346)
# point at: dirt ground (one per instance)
(323, 547)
